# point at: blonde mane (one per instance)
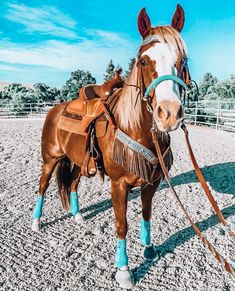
(129, 109)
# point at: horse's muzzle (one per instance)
(168, 115)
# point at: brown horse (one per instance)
(161, 53)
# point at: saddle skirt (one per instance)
(88, 111)
(74, 124)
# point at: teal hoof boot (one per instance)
(36, 226)
(124, 278)
(79, 218)
(150, 253)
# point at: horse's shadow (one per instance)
(55, 221)
(177, 239)
(221, 178)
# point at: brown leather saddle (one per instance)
(91, 103)
(89, 118)
(87, 110)
(89, 115)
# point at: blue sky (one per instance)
(43, 41)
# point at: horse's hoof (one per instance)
(124, 278)
(36, 226)
(78, 218)
(150, 253)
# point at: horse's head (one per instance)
(162, 69)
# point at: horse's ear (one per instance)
(144, 23)
(178, 18)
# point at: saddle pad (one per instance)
(75, 126)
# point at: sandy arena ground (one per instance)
(68, 256)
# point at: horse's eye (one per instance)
(143, 63)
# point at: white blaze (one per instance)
(165, 65)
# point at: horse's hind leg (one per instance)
(47, 170)
(74, 199)
(145, 224)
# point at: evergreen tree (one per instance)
(130, 66)
(109, 72)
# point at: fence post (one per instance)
(217, 115)
(195, 117)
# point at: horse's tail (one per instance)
(63, 176)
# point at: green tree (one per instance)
(109, 72)
(44, 93)
(130, 66)
(207, 83)
(78, 79)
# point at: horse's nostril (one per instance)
(180, 112)
(162, 113)
(159, 110)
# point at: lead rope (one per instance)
(205, 186)
(228, 267)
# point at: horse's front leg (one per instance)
(145, 224)
(119, 200)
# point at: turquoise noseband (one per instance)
(160, 79)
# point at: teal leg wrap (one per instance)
(74, 204)
(37, 213)
(145, 232)
(121, 258)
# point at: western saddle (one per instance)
(81, 116)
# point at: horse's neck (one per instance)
(132, 115)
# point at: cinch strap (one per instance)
(121, 258)
(74, 204)
(160, 79)
(37, 213)
(145, 232)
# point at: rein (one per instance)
(207, 244)
(228, 267)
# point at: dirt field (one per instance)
(68, 256)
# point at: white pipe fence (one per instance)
(217, 114)
(25, 110)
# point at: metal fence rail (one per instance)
(217, 114)
(25, 110)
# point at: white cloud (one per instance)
(92, 55)
(9, 68)
(91, 52)
(46, 20)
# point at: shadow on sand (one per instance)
(179, 238)
(221, 178)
